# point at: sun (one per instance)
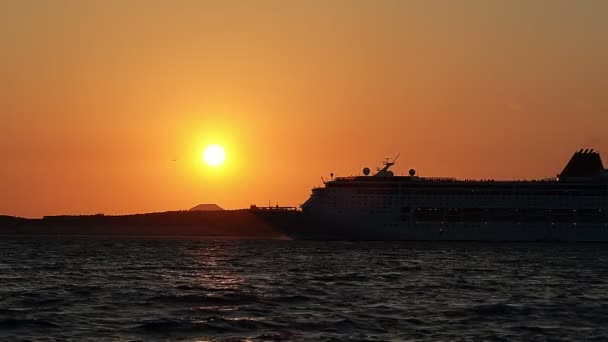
(214, 155)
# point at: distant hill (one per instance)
(207, 207)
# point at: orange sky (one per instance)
(97, 97)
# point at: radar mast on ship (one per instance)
(384, 171)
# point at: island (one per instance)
(225, 223)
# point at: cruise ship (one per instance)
(573, 206)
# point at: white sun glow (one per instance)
(214, 155)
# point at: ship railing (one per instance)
(483, 180)
(345, 178)
(453, 180)
(441, 179)
(254, 207)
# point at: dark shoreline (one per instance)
(221, 223)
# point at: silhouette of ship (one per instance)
(570, 207)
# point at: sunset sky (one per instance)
(106, 106)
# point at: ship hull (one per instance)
(300, 226)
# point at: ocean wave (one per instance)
(275, 336)
(346, 277)
(503, 309)
(5, 311)
(223, 299)
(83, 290)
(288, 299)
(20, 323)
(336, 325)
(212, 324)
(199, 288)
(488, 310)
(37, 302)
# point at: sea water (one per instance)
(189, 289)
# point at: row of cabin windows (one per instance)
(510, 215)
(393, 199)
(359, 200)
(483, 192)
(466, 195)
(510, 187)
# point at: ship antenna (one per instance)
(397, 157)
(388, 162)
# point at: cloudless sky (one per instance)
(97, 98)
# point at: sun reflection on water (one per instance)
(212, 270)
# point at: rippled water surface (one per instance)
(147, 289)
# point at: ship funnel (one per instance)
(583, 165)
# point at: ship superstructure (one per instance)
(382, 206)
